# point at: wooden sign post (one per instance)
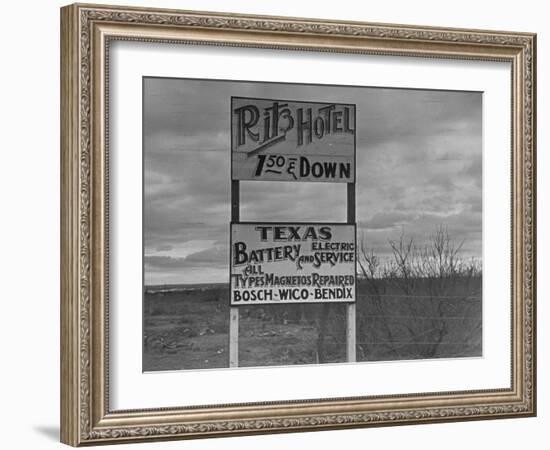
(283, 140)
(233, 310)
(351, 351)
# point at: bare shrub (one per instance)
(422, 302)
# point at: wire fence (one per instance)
(454, 297)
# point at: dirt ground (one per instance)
(190, 333)
(188, 329)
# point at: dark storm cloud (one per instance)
(419, 165)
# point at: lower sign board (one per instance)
(292, 263)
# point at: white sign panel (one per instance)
(282, 140)
(292, 263)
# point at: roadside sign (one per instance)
(282, 140)
(292, 263)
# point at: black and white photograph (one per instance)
(275, 225)
(288, 224)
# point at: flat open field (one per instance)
(186, 327)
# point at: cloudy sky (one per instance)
(419, 165)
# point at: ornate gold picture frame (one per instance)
(87, 33)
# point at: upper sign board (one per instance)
(283, 140)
